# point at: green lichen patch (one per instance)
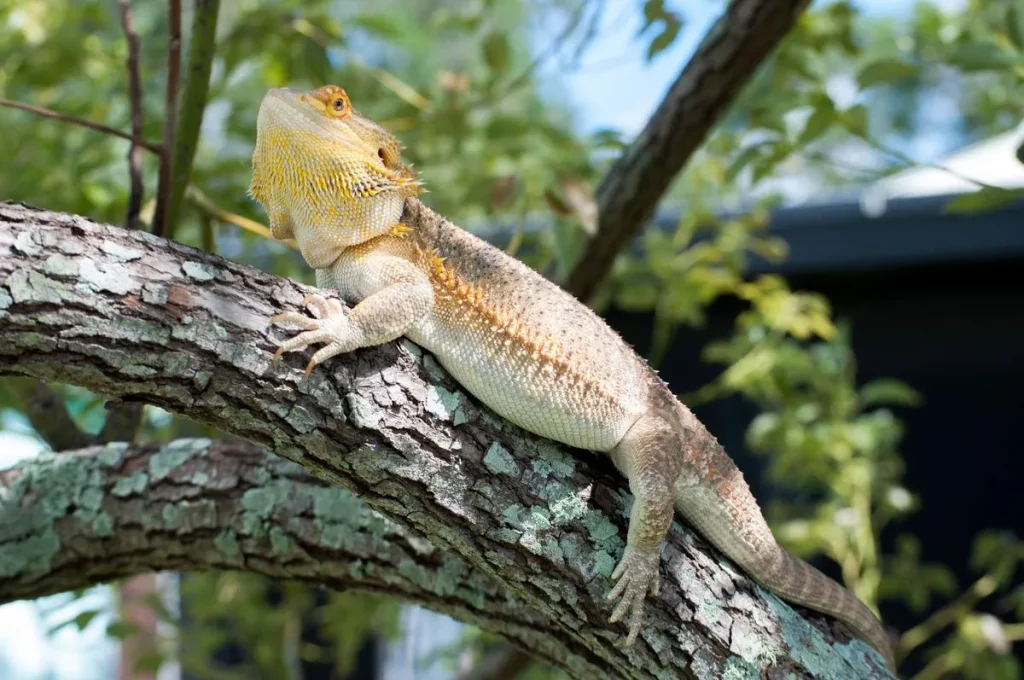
(500, 462)
(566, 505)
(442, 403)
(33, 554)
(113, 454)
(34, 287)
(60, 265)
(808, 646)
(459, 416)
(550, 460)
(198, 271)
(175, 454)
(600, 529)
(280, 542)
(261, 502)
(739, 669)
(103, 525)
(227, 542)
(110, 277)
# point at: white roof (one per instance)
(992, 161)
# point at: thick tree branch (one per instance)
(127, 314)
(75, 519)
(723, 63)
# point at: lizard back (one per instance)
(527, 348)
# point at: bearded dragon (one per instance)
(335, 181)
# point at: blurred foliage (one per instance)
(499, 148)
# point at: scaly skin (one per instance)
(333, 180)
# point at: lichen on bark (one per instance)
(525, 532)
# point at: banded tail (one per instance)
(723, 510)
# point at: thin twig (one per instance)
(135, 98)
(911, 163)
(202, 46)
(922, 632)
(198, 199)
(163, 191)
(82, 122)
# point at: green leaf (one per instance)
(818, 122)
(383, 24)
(981, 57)
(121, 629)
(607, 138)
(888, 391)
(985, 199)
(855, 119)
(742, 160)
(1015, 24)
(654, 10)
(885, 71)
(85, 618)
(496, 52)
(665, 38)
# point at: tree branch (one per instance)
(82, 122)
(723, 63)
(75, 519)
(165, 176)
(48, 416)
(135, 100)
(202, 45)
(125, 313)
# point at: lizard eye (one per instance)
(339, 104)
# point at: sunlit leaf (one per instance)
(888, 391)
(497, 52)
(885, 71)
(1015, 24)
(983, 200)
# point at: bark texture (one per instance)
(73, 519)
(131, 316)
(724, 62)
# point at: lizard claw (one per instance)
(636, 576)
(329, 325)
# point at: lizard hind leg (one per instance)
(649, 456)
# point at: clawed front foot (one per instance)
(637, 575)
(329, 324)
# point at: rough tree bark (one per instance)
(728, 56)
(529, 531)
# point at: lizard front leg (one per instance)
(649, 455)
(399, 295)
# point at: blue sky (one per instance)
(615, 87)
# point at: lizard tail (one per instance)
(726, 513)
